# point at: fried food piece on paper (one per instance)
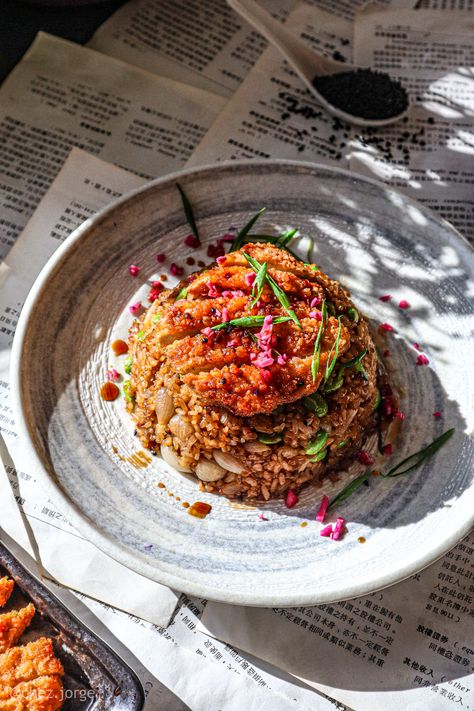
(6, 589)
(13, 624)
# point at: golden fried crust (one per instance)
(13, 624)
(42, 694)
(6, 589)
(26, 663)
(224, 367)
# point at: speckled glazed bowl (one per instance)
(375, 241)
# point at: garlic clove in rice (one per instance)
(164, 406)
(171, 458)
(227, 461)
(181, 428)
(207, 470)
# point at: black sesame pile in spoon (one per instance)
(364, 93)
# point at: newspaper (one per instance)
(409, 646)
(203, 43)
(84, 185)
(272, 115)
(430, 156)
(62, 95)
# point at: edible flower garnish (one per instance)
(386, 327)
(417, 347)
(385, 297)
(422, 359)
(238, 241)
(316, 314)
(133, 270)
(113, 375)
(249, 322)
(403, 304)
(188, 211)
(279, 293)
(338, 529)
(322, 509)
(291, 499)
(221, 259)
(261, 517)
(316, 301)
(135, 308)
(326, 531)
(250, 278)
(438, 413)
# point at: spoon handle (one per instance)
(306, 62)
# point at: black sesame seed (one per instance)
(364, 93)
(204, 339)
(223, 381)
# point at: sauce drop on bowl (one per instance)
(199, 509)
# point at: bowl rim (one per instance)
(115, 549)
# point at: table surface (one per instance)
(21, 21)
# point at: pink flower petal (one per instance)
(388, 449)
(261, 517)
(291, 499)
(365, 458)
(422, 359)
(176, 270)
(265, 375)
(385, 297)
(322, 509)
(386, 327)
(225, 314)
(133, 270)
(316, 314)
(316, 301)
(192, 241)
(326, 531)
(207, 331)
(417, 347)
(113, 375)
(281, 360)
(338, 529)
(221, 259)
(399, 415)
(135, 308)
(403, 304)
(250, 278)
(437, 414)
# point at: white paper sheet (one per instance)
(272, 115)
(430, 156)
(407, 647)
(205, 44)
(84, 185)
(62, 95)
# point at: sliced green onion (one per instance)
(156, 317)
(239, 239)
(127, 366)
(279, 293)
(319, 341)
(353, 315)
(350, 489)
(249, 322)
(319, 457)
(317, 444)
(378, 400)
(285, 239)
(317, 404)
(338, 380)
(330, 364)
(182, 294)
(269, 439)
(335, 382)
(141, 335)
(342, 443)
(188, 211)
(258, 284)
(359, 368)
(414, 460)
(126, 391)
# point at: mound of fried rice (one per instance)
(239, 407)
